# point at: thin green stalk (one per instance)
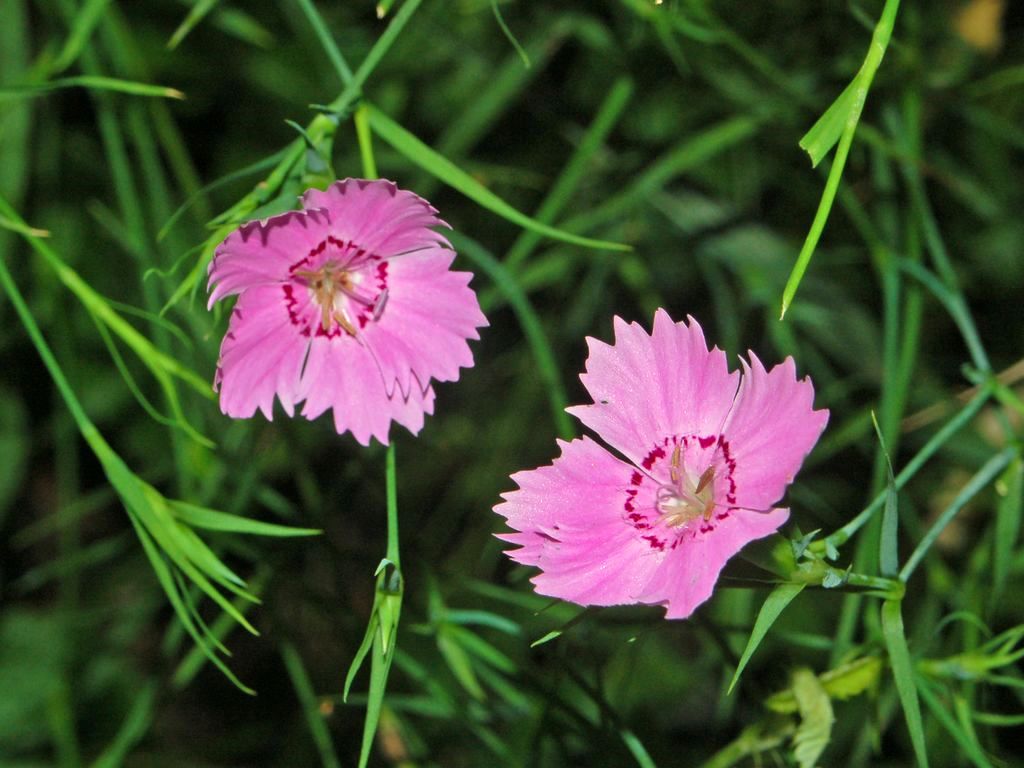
(310, 706)
(365, 137)
(391, 490)
(607, 116)
(85, 426)
(940, 438)
(382, 631)
(879, 42)
(952, 300)
(981, 478)
(326, 41)
(533, 329)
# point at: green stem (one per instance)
(530, 322)
(85, 426)
(879, 42)
(365, 138)
(981, 478)
(940, 438)
(391, 484)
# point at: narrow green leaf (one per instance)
(459, 662)
(965, 739)
(998, 720)
(178, 421)
(89, 82)
(972, 488)
(636, 749)
(903, 672)
(360, 657)
(773, 607)
(326, 40)
(195, 15)
(310, 706)
(562, 629)
(213, 520)
(483, 618)
(533, 328)
(939, 439)
(575, 169)
(236, 22)
(224, 623)
(88, 15)
(482, 649)
(181, 551)
(190, 602)
(508, 34)
(419, 153)
(876, 50)
(888, 555)
(380, 666)
(824, 134)
(133, 728)
(241, 173)
(163, 575)
(387, 604)
(1008, 523)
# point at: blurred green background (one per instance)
(673, 128)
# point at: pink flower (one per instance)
(708, 453)
(347, 304)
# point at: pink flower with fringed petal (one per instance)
(708, 453)
(348, 304)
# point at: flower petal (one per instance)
(772, 428)
(378, 216)
(429, 316)
(648, 387)
(341, 373)
(570, 522)
(690, 574)
(262, 352)
(260, 252)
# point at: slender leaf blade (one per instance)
(444, 169)
(903, 672)
(773, 607)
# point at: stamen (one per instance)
(707, 477)
(680, 500)
(345, 323)
(332, 279)
(345, 286)
(378, 305)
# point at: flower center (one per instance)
(338, 291)
(684, 499)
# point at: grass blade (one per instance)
(310, 706)
(821, 133)
(326, 41)
(533, 328)
(445, 170)
(195, 15)
(1008, 523)
(888, 554)
(201, 517)
(903, 672)
(972, 488)
(773, 607)
(89, 82)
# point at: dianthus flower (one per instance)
(346, 304)
(708, 453)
